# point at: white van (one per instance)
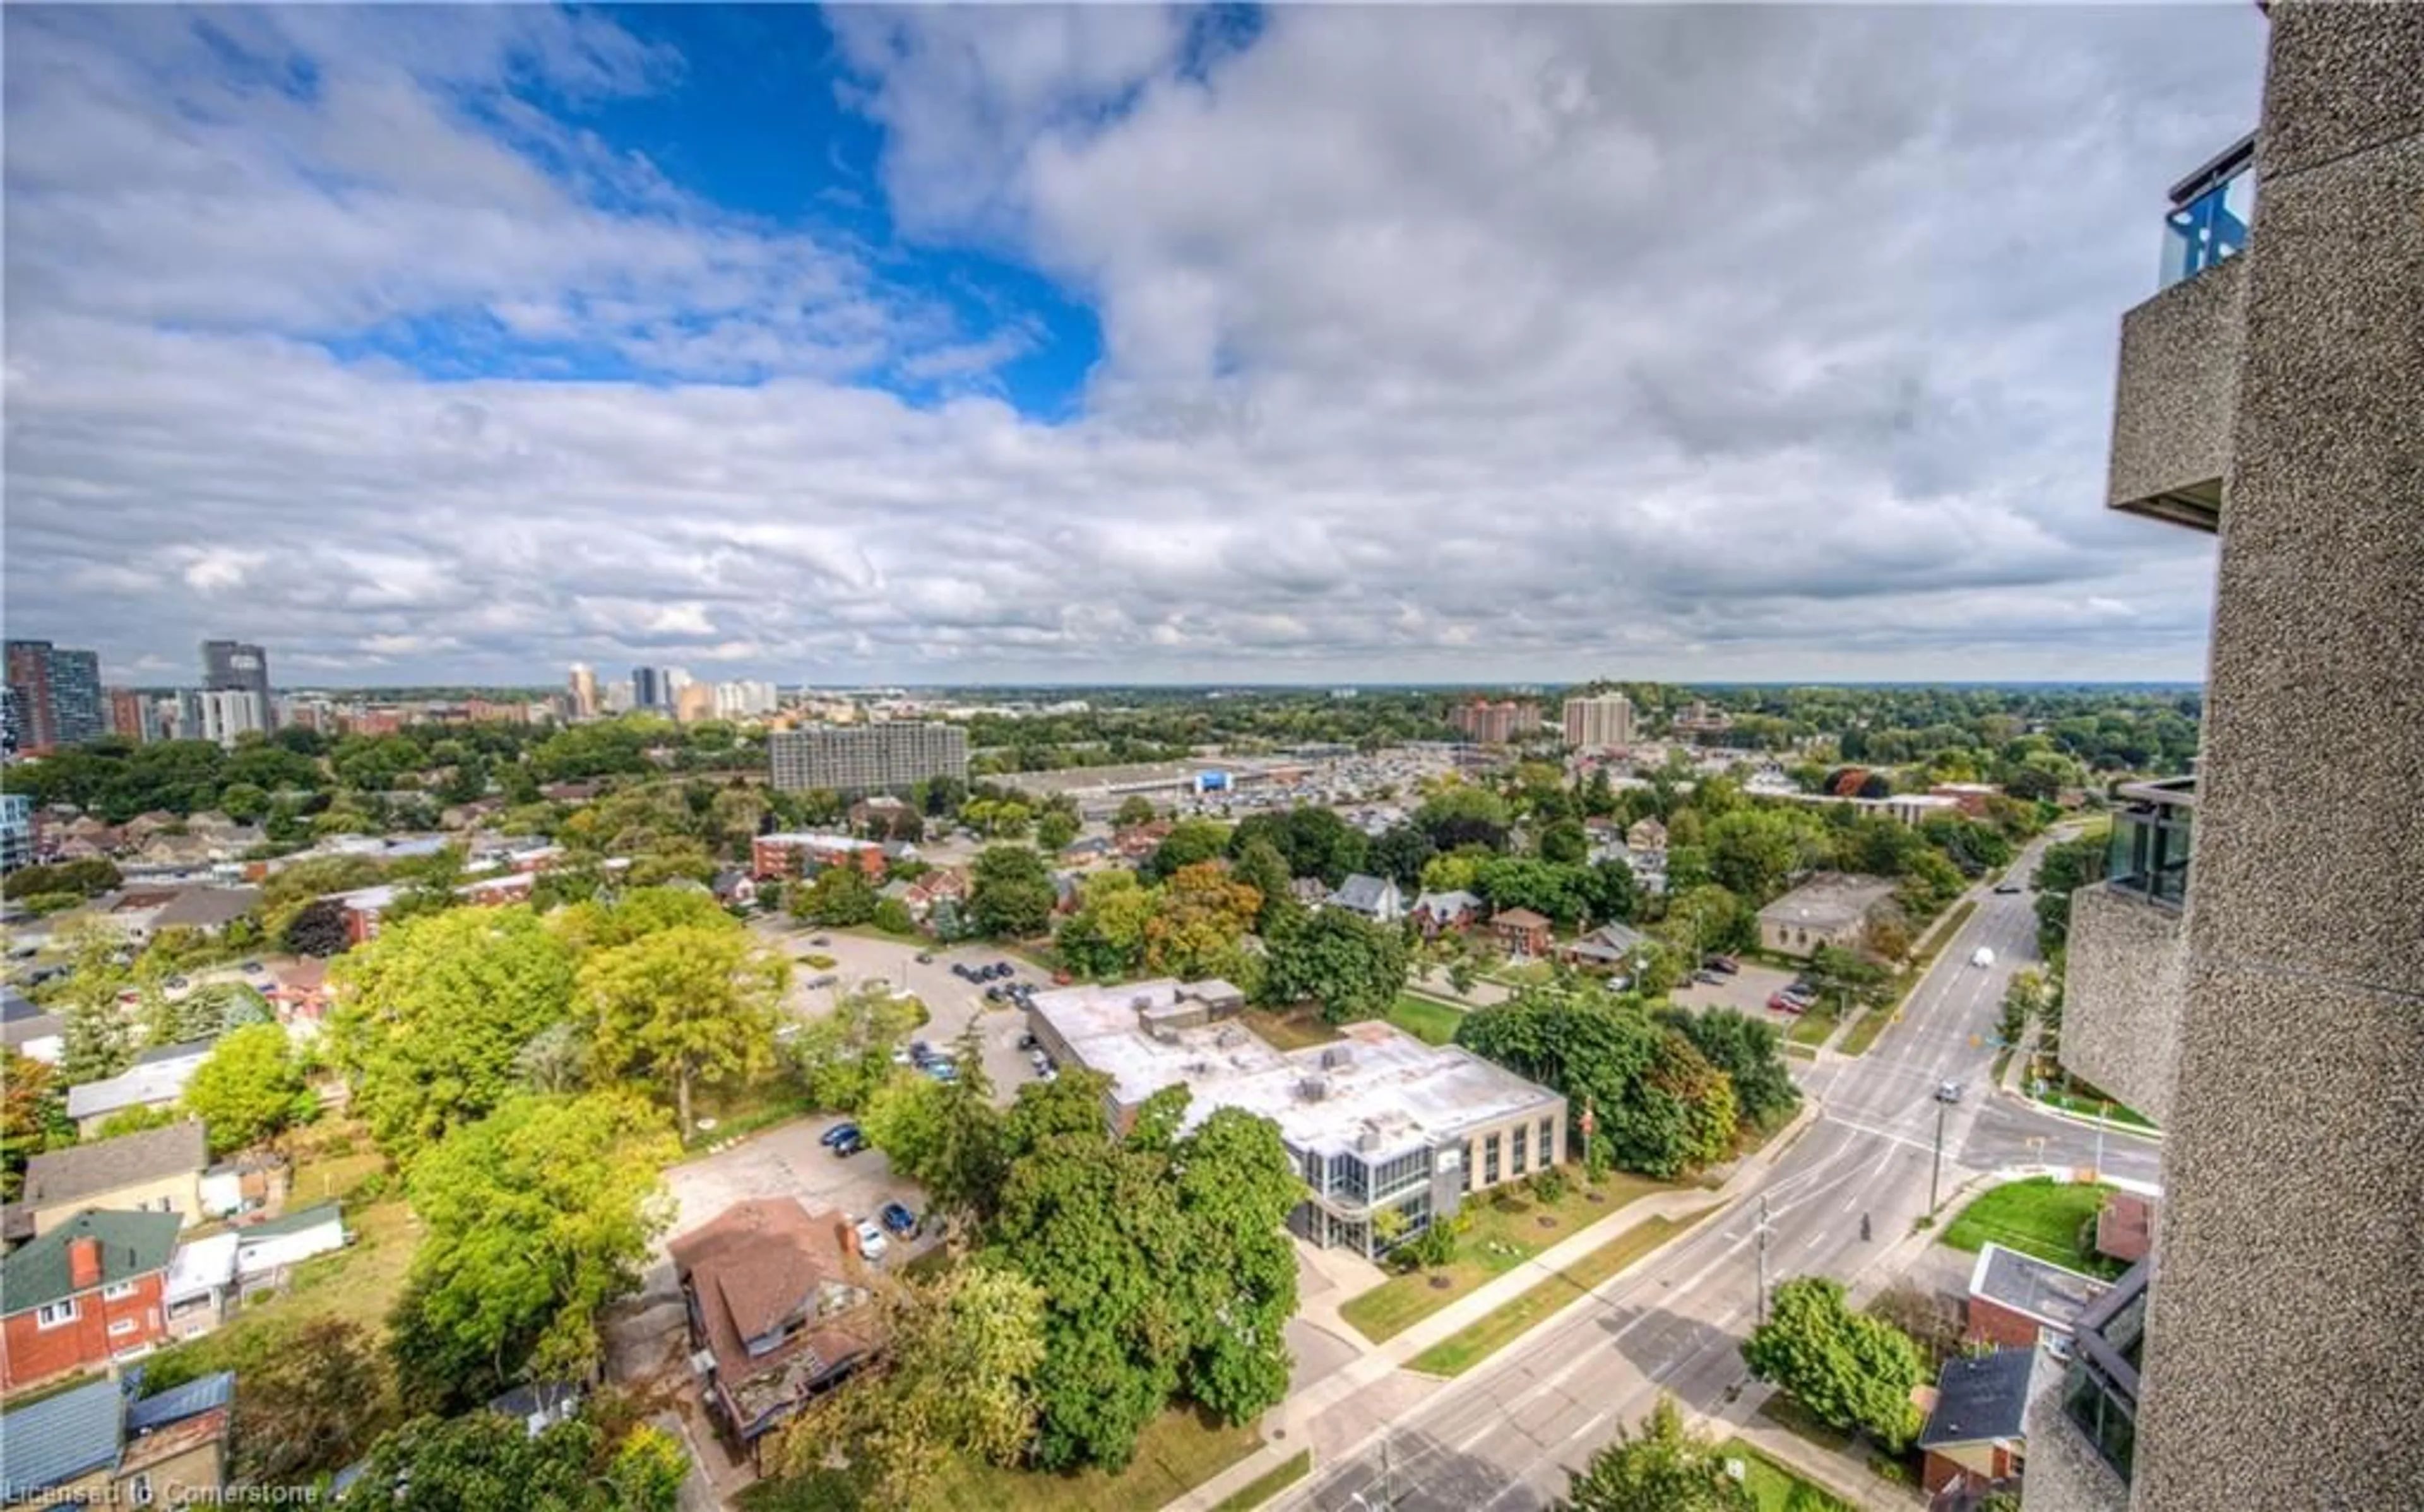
(1983, 956)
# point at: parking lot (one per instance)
(1747, 990)
(788, 1160)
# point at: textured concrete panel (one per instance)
(2172, 408)
(2280, 1367)
(2344, 77)
(2121, 995)
(2064, 1473)
(2310, 839)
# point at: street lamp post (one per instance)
(1763, 1231)
(1935, 1171)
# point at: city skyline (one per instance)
(1024, 347)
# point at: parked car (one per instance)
(1948, 1092)
(1983, 956)
(1787, 1003)
(1724, 964)
(2007, 888)
(838, 1133)
(1041, 1061)
(850, 1146)
(993, 994)
(176, 982)
(925, 958)
(872, 1242)
(828, 980)
(1709, 978)
(820, 939)
(1027, 1040)
(942, 1071)
(899, 1219)
(252, 968)
(959, 969)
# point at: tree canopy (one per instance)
(696, 1003)
(1850, 1369)
(250, 1087)
(1353, 968)
(1010, 893)
(1662, 1467)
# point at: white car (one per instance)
(872, 1242)
(1983, 956)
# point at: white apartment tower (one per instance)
(1599, 723)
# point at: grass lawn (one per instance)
(1813, 1027)
(1865, 1032)
(2039, 1217)
(1270, 1484)
(2096, 1106)
(1507, 1231)
(1776, 1489)
(1289, 1029)
(1177, 1451)
(1426, 1018)
(774, 1099)
(1794, 1418)
(1477, 1341)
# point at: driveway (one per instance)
(1747, 990)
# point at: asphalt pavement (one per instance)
(1506, 1437)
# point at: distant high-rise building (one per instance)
(16, 830)
(676, 679)
(132, 715)
(744, 699)
(1495, 724)
(234, 666)
(648, 688)
(866, 758)
(694, 703)
(55, 695)
(229, 712)
(584, 690)
(1603, 723)
(1701, 719)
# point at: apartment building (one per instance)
(1378, 1119)
(856, 760)
(1502, 723)
(2251, 973)
(234, 674)
(54, 696)
(1601, 722)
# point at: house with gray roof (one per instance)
(1454, 910)
(1976, 1435)
(156, 1079)
(1374, 898)
(1830, 909)
(1607, 947)
(107, 1442)
(207, 909)
(157, 1171)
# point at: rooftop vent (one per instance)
(1337, 1055)
(1312, 1089)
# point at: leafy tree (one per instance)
(317, 930)
(535, 1218)
(1259, 865)
(1613, 893)
(947, 1137)
(94, 1043)
(1462, 814)
(136, 1120)
(1134, 810)
(1561, 892)
(484, 1460)
(839, 896)
(1351, 966)
(1189, 842)
(309, 1400)
(1055, 829)
(79, 878)
(1665, 1466)
(1462, 974)
(1200, 916)
(692, 1004)
(1400, 853)
(33, 1117)
(1752, 852)
(956, 1382)
(892, 917)
(430, 1015)
(1707, 918)
(1010, 893)
(847, 1054)
(1564, 843)
(1851, 1371)
(251, 1089)
(1750, 1053)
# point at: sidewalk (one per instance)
(1336, 1415)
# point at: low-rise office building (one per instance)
(1827, 910)
(1378, 1119)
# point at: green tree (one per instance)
(33, 1117)
(956, 1382)
(1852, 1371)
(1260, 866)
(1563, 842)
(892, 917)
(839, 896)
(484, 1460)
(1188, 842)
(430, 1015)
(947, 1137)
(1055, 828)
(1134, 810)
(1663, 1466)
(847, 1054)
(535, 1218)
(1353, 968)
(313, 1397)
(685, 1006)
(1010, 893)
(1749, 1052)
(251, 1089)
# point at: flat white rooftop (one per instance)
(1377, 1091)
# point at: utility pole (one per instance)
(2105, 1110)
(1935, 1171)
(1763, 1231)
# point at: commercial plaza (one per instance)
(1375, 1121)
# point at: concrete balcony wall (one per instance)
(2065, 1473)
(2174, 406)
(2123, 992)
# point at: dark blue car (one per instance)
(899, 1220)
(840, 1134)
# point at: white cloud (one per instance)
(1438, 343)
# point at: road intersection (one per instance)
(1505, 1437)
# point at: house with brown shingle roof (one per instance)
(779, 1301)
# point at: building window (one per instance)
(1464, 1175)
(1548, 1141)
(1490, 1161)
(120, 1328)
(117, 1292)
(1523, 1137)
(55, 1314)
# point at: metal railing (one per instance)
(2211, 209)
(2148, 853)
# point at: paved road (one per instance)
(1506, 1438)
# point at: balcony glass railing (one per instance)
(2211, 209)
(2099, 1390)
(2149, 851)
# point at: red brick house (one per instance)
(803, 855)
(2017, 1301)
(1435, 914)
(1521, 932)
(85, 1294)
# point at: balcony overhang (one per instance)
(2175, 399)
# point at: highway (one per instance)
(1505, 1437)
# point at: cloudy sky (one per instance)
(1097, 345)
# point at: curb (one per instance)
(2090, 1121)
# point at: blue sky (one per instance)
(1109, 343)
